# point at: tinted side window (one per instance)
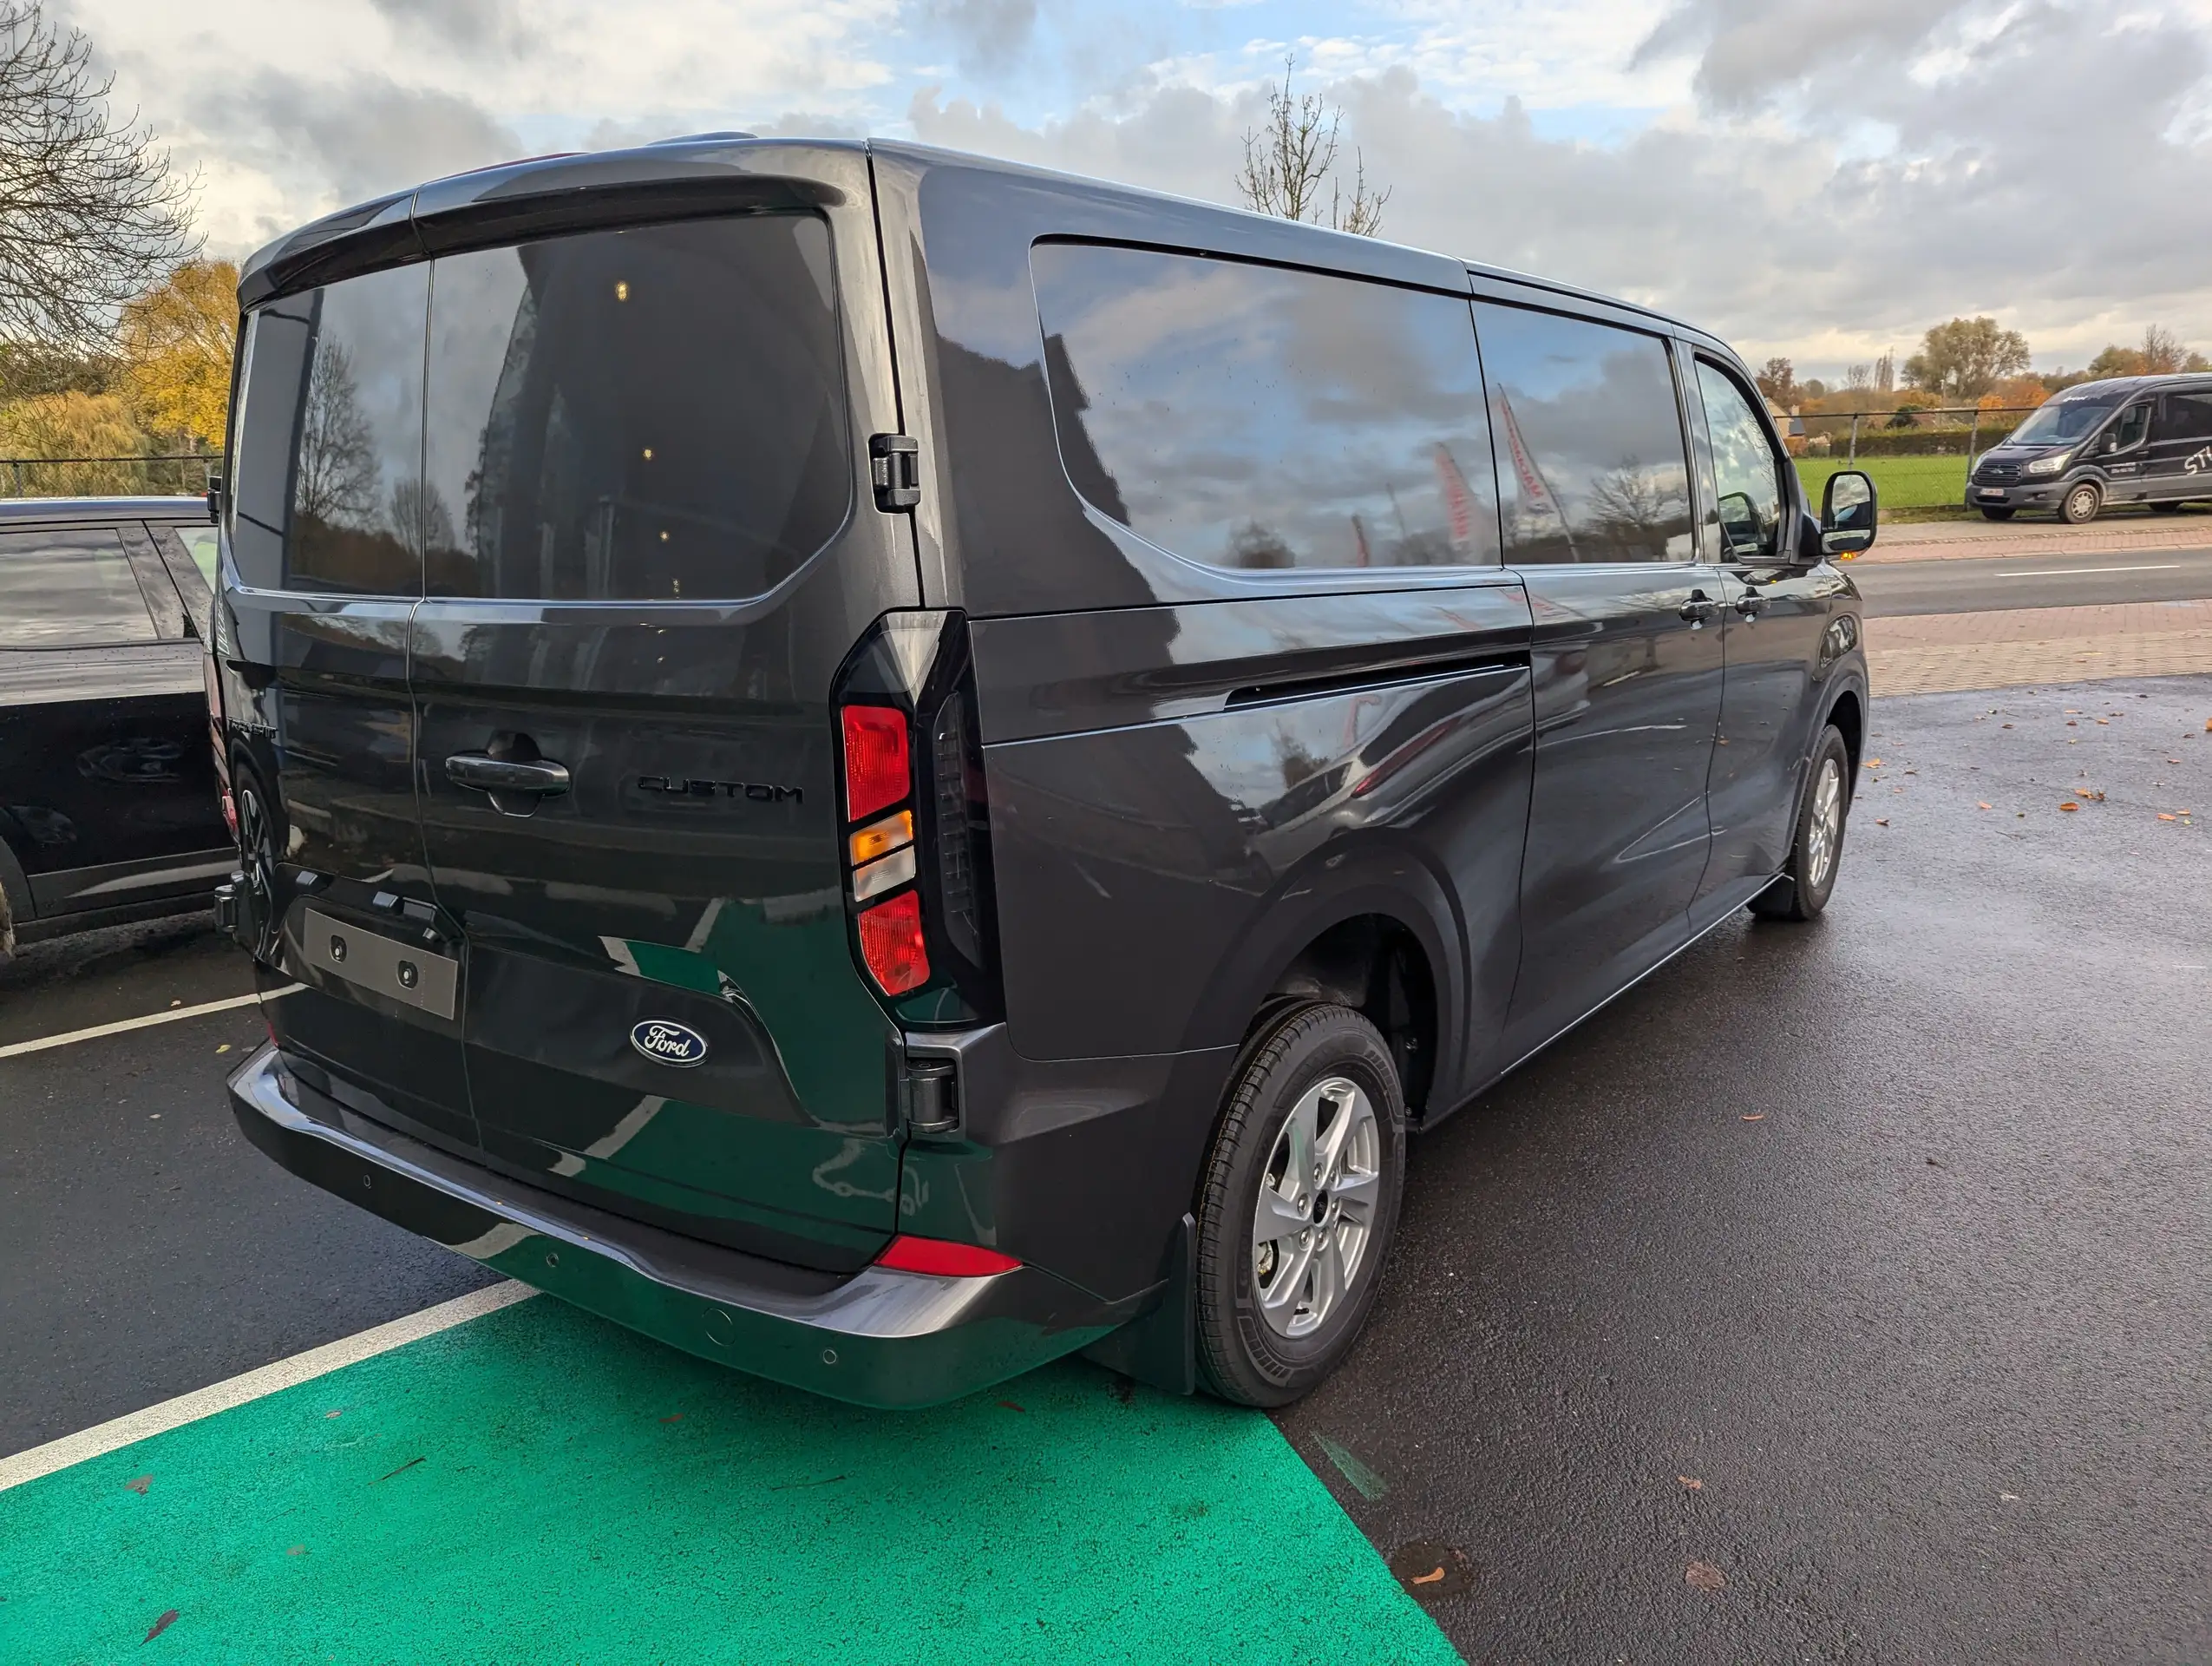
(2186, 416)
(1747, 475)
(357, 458)
(71, 589)
(1251, 416)
(1591, 464)
(652, 414)
(272, 369)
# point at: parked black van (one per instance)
(2130, 439)
(886, 766)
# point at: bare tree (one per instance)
(90, 213)
(1289, 160)
(337, 478)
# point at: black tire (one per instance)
(1249, 1350)
(1805, 884)
(2080, 504)
(2165, 508)
(1999, 514)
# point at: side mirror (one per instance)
(1740, 521)
(1848, 507)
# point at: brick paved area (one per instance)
(1938, 652)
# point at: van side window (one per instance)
(2186, 416)
(1590, 456)
(652, 414)
(357, 447)
(273, 368)
(1255, 417)
(1747, 475)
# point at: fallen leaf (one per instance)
(1430, 1569)
(1692, 1482)
(673, 1417)
(1882, 821)
(160, 1626)
(226, 1047)
(2105, 720)
(2093, 797)
(1981, 806)
(2070, 805)
(2005, 726)
(401, 1470)
(1756, 1116)
(2208, 725)
(2164, 816)
(296, 1549)
(1933, 1164)
(1011, 1406)
(1430, 1578)
(2010, 1498)
(1705, 1576)
(139, 1486)
(330, 1414)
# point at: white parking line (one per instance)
(2070, 572)
(112, 1436)
(170, 1017)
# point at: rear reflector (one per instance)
(891, 943)
(946, 1260)
(877, 774)
(881, 838)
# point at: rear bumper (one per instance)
(878, 1338)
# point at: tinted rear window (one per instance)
(1591, 464)
(1253, 417)
(2186, 416)
(70, 589)
(652, 414)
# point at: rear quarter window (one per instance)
(70, 589)
(1246, 415)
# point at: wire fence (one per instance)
(183, 475)
(1902, 432)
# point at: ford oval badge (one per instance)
(666, 1042)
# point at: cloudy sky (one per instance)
(1822, 179)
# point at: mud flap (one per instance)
(1160, 1347)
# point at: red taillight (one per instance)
(891, 943)
(945, 1259)
(877, 772)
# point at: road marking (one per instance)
(254, 1385)
(2070, 572)
(170, 1017)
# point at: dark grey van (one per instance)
(886, 766)
(2130, 439)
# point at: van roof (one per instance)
(2116, 387)
(388, 218)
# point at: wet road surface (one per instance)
(1973, 585)
(1889, 1233)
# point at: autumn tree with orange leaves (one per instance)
(175, 342)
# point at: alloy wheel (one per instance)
(1825, 833)
(1316, 1210)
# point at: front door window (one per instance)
(1747, 477)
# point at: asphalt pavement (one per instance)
(1973, 585)
(1838, 1293)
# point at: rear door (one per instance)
(650, 545)
(320, 579)
(1594, 475)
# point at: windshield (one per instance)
(2061, 422)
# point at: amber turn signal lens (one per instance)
(891, 943)
(882, 838)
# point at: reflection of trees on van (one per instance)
(337, 484)
(419, 513)
(1634, 510)
(338, 534)
(1253, 545)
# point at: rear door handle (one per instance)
(1699, 608)
(486, 774)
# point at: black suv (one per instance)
(109, 810)
(2135, 439)
(886, 766)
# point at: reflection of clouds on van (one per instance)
(1252, 416)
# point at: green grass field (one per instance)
(1899, 483)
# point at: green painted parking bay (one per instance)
(537, 1485)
